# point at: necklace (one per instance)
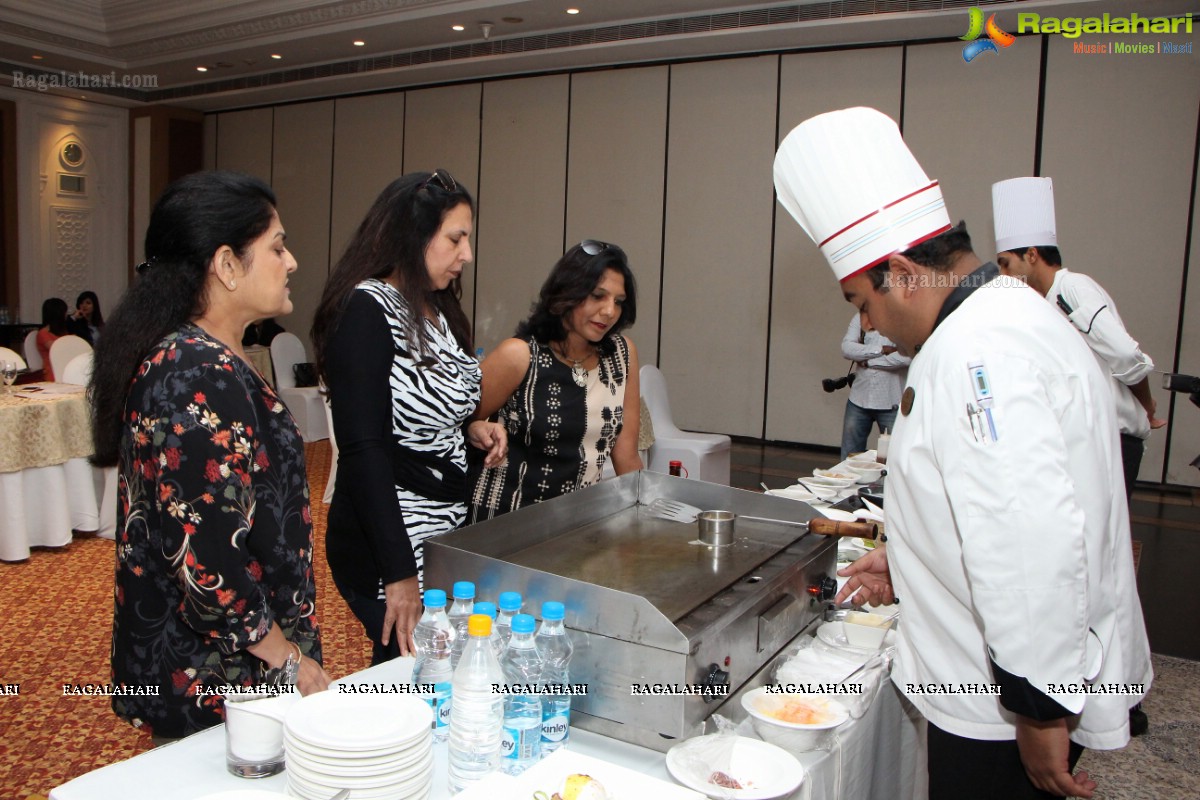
(578, 373)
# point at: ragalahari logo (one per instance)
(975, 28)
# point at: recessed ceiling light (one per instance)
(38, 57)
(276, 56)
(457, 28)
(512, 20)
(359, 43)
(201, 69)
(572, 10)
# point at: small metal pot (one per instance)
(716, 527)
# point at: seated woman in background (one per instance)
(214, 575)
(393, 346)
(261, 332)
(87, 321)
(54, 325)
(566, 387)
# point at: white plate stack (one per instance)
(376, 745)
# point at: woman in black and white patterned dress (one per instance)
(393, 346)
(565, 387)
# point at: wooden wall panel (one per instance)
(717, 254)
(616, 178)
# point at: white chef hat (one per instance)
(856, 190)
(1023, 211)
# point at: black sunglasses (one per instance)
(593, 247)
(443, 178)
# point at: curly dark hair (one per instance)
(392, 238)
(195, 216)
(938, 253)
(573, 278)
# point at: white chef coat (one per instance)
(1095, 315)
(1011, 549)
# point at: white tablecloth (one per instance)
(878, 757)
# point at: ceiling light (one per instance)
(457, 27)
(512, 20)
(201, 69)
(276, 56)
(572, 10)
(38, 57)
(359, 43)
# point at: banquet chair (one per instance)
(305, 402)
(33, 359)
(328, 496)
(78, 370)
(12, 356)
(704, 455)
(63, 350)
(104, 479)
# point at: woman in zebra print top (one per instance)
(393, 346)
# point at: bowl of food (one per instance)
(867, 471)
(796, 722)
(866, 630)
(843, 481)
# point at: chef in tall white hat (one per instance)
(1027, 245)
(1006, 542)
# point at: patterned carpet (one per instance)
(55, 623)
(56, 615)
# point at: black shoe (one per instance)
(1139, 723)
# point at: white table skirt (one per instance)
(878, 757)
(42, 505)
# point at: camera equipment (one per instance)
(833, 384)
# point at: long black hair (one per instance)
(392, 239)
(571, 280)
(54, 315)
(195, 216)
(97, 318)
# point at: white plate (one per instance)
(793, 493)
(832, 634)
(358, 722)
(621, 783)
(318, 775)
(821, 478)
(242, 794)
(771, 771)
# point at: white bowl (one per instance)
(829, 483)
(867, 471)
(865, 630)
(795, 737)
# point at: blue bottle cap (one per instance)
(435, 598)
(510, 601)
(523, 623)
(552, 610)
(486, 608)
(464, 590)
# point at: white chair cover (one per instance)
(63, 350)
(305, 402)
(77, 371)
(12, 356)
(705, 456)
(328, 496)
(32, 357)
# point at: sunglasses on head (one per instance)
(442, 178)
(593, 247)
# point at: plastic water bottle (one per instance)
(460, 610)
(521, 742)
(434, 638)
(555, 649)
(490, 610)
(477, 715)
(510, 605)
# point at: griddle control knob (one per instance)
(825, 590)
(715, 677)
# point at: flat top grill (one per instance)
(635, 552)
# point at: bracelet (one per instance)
(286, 675)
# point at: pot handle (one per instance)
(837, 527)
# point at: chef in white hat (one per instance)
(1027, 245)
(1006, 543)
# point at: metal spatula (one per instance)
(672, 510)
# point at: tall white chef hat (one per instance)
(856, 190)
(1023, 210)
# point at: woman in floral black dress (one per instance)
(214, 579)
